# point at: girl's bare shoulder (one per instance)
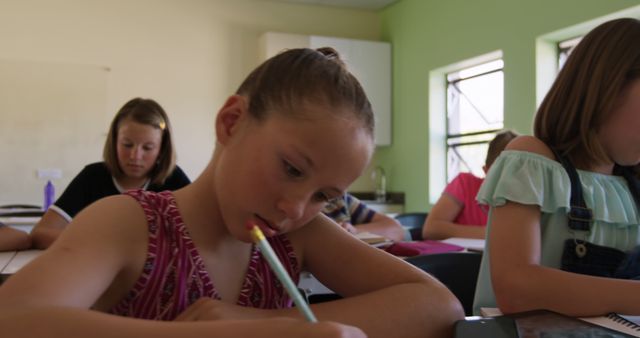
(118, 219)
(530, 144)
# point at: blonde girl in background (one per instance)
(138, 154)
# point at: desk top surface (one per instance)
(471, 244)
(15, 260)
(5, 258)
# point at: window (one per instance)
(564, 49)
(475, 112)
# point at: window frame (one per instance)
(478, 137)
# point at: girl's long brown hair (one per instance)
(587, 90)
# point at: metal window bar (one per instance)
(453, 146)
(458, 160)
(461, 158)
(473, 133)
(454, 85)
(462, 144)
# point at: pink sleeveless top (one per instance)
(174, 276)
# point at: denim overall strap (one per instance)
(580, 216)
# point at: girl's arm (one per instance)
(439, 223)
(70, 322)
(385, 296)
(13, 239)
(48, 229)
(104, 242)
(519, 281)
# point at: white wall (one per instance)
(189, 55)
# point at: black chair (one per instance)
(458, 271)
(413, 221)
(323, 297)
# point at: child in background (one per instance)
(182, 264)
(591, 118)
(13, 239)
(138, 154)
(355, 217)
(457, 213)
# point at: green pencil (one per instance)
(281, 273)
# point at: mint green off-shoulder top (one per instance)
(533, 179)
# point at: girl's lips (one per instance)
(266, 228)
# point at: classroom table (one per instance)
(11, 262)
(21, 223)
(470, 244)
(311, 286)
(5, 258)
(16, 260)
(20, 218)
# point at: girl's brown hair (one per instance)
(497, 145)
(587, 90)
(149, 112)
(297, 77)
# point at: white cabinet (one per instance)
(369, 61)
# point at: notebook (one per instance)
(373, 239)
(470, 244)
(496, 327)
(623, 323)
(425, 247)
(629, 325)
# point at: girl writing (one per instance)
(591, 119)
(138, 153)
(295, 135)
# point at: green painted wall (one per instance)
(427, 35)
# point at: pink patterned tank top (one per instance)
(174, 275)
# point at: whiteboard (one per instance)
(52, 116)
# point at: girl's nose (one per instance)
(135, 153)
(293, 207)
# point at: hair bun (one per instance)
(331, 54)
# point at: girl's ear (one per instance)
(229, 117)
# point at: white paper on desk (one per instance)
(609, 321)
(605, 321)
(468, 243)
(5, 258)
(373, 239)
(19, 220)
(21, 259)
(633, 319)
(490, 312)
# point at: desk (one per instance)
(5, 258)
(17, 259)
(543, 323)
(311, 286)
(21, 223)
(470, 244)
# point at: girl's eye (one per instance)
(148, 148)
(127, 145)
(291, 170)
(321, 197)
